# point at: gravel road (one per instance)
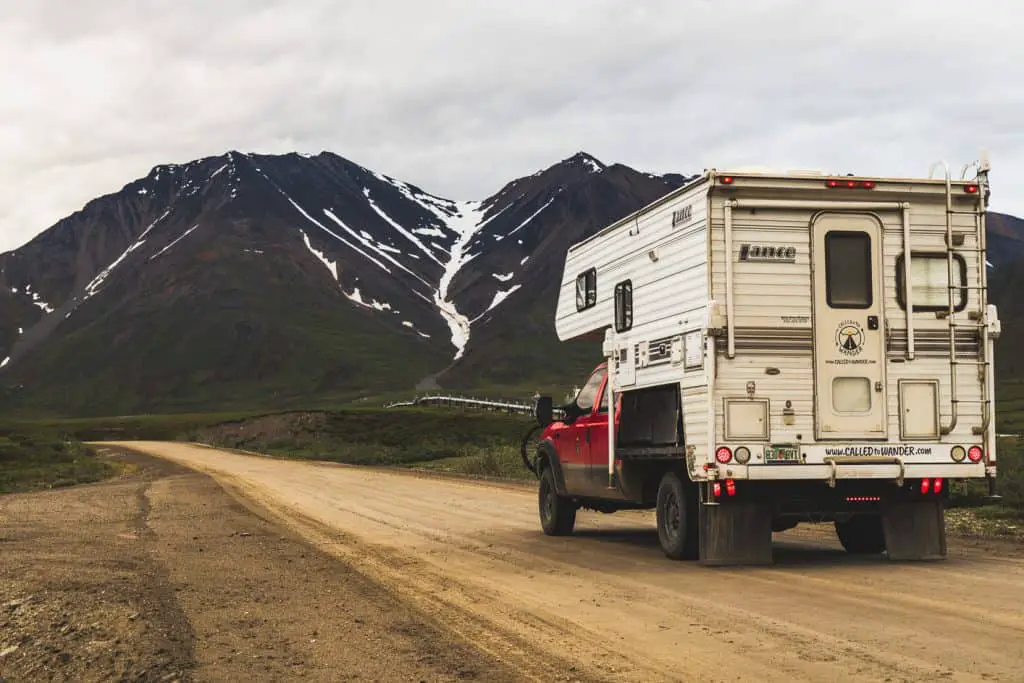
(605, 604)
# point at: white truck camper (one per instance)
(780, 347)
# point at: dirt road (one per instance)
(605, 603)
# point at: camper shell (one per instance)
(762, 352)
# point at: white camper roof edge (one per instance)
(709, 175)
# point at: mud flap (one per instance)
(914, 531)
(735, 534)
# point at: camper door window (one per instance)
(848, 269)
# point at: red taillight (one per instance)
(937, 486)
(971, 189)
(850, 184)
(727, 180)
(974, 453)
(730, 487)
(926, 485)
(716, 489)
(723, 454)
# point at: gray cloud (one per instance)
(459, 97)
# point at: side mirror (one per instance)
(544, 411)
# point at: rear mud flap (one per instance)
(735, 534)
(914, 531)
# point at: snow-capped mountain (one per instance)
(245, 280)
(292, 275)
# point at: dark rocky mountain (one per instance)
(244, 280)
(251, 281)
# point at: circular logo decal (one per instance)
(850, 337)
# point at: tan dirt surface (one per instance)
(605, 604)
(163, 576)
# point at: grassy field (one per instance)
(32, 463)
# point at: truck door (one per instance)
(573, 449)
(597, 445)
(849, 329)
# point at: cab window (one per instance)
(588, 394)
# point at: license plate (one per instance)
(775, 454)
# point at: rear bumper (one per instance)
(852, 470)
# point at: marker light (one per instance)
(971, 189)
(727, 180)
(723, 454)
(850, 184)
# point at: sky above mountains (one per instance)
(460, 97)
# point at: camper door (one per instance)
(849, 329)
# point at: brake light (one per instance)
(723, 454)
(730, 487)
(716, 489)
(971, 189)
(926, 485)
(937, 486)
(974, 453)
(850, 184)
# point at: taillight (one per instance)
(716, 489)
(937, 486)
(723, 454)
(926, 485)
(730, 487)
(974, 453)
(850, 184)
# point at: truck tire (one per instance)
(677, 521)
(861, 535)
(557, 514)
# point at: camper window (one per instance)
(848, 269)
(929, 277)
(623, 306)
(586, 289)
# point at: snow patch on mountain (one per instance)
(93, 287)
(357, 297)
(402, 231)
(37, 300)
(500, 296)
(464, 224)
(179, 238)
(370, 243)
(331, 265)
(503, 278)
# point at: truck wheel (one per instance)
(677, 522)
(557, 514)
(861, 535)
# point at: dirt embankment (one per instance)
(163, 576)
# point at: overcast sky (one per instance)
(460, 97)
